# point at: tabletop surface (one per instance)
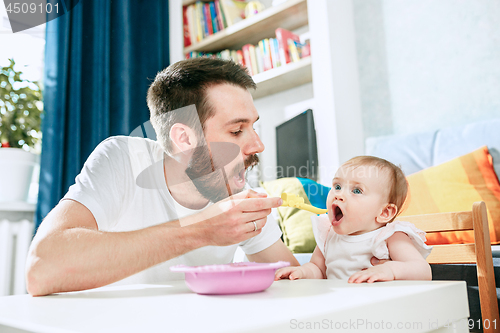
(286, 306)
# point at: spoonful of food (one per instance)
(292, 200)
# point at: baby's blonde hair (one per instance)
(398, 191)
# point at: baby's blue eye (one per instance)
(356, 191)
(337, 187)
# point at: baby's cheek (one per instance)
(329, 199)
(329, 214)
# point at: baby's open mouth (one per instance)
(337, 214)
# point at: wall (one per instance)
(272, 113)
(426, 64)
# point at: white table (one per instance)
(286, 306)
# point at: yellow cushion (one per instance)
(455, 186)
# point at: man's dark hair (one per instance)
(183, 85)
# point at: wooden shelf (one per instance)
(289, 15)
(282, 78)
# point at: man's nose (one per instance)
(254, 145)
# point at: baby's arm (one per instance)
(314, 269)
(407, 263)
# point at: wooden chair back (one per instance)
(478, 253)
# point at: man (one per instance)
(141, 206)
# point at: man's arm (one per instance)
(69, 253)
(276, 252)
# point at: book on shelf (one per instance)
(226, 54)
(305, 40)
(267, 54)
(283, 35)
(220, 16)
(240, 57)
(234, 56)
(213, 18)
(259, 49)
(263, 56)
(191, 25)
(186, 30)
(203, 19)
(234, 10)
(293, 50)
(253, 60)
(275, 56)
(246, 58)
(305, 49)
(197, 21)
(208, 19)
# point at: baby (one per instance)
(367, 195)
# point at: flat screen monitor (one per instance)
(296, 147)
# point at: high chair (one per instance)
(478, 253)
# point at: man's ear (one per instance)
(388, 212)
(183, 138)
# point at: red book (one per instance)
(246, 58)
(283, 35)
(241, 59)
(187, 37)
(208, 18)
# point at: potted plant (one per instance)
(20, 119)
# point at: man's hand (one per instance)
(231, 220)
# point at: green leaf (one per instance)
(16, 102)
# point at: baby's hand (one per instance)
(290, 272)
(372, 274)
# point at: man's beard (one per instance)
(209, 176)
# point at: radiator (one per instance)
(15, 239)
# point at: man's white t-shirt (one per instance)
(123, 184)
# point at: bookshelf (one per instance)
(289, 15)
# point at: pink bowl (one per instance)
(237, 278)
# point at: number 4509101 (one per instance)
(32, 8)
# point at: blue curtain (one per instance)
(100, 59)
